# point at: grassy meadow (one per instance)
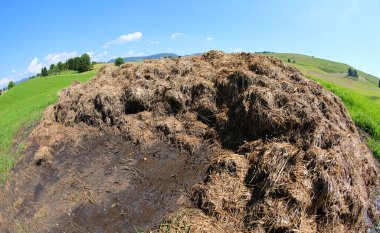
(22, 107)
(319, 66)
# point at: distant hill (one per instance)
(154, 56)
(310, 65)
(22, 80)
(18, 82)
(141, 58)
(194, 55)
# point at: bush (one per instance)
(11, 84)
(119, 61)
(352, 72)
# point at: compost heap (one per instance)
(215, 143)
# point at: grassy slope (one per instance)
(322, 65)
(22, 106)
(360, 96)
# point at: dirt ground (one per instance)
(216, 143)
(105, 184)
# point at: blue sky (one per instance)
(37, 33)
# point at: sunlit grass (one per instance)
(23, 105)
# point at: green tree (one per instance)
(76, 63)
(350, 72)
(356, 74)
(53, 69)
(119, 61)
(44, 72)
(70, 64)
(84, 63)
(60, 67)
(11, 84)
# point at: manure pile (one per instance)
(216, 143)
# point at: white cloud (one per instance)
(132, 53)
(176, 35)
(13, 71)
(124, 38)
(13, 77)
(4, 82)
(237, 50)
(59, 57)
(97, 56)
(130, 37)
(34, 67)
(209, 38)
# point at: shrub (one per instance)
(119, 61)
(11, 84)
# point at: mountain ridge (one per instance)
(141, 58)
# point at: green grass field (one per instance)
(334, 72)
(22, 106)
(320, 66)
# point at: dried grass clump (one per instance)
(288, 158)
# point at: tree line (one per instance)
(79, 64)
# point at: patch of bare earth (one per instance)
(217, 143)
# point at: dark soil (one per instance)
(105, 184)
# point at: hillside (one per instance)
(22, 106)
(334, 72)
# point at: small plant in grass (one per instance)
(175, 224)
